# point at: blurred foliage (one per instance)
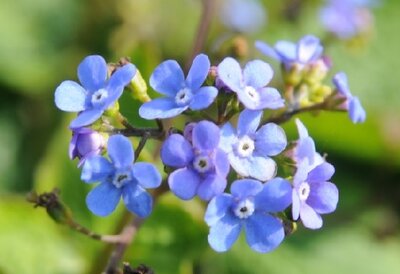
(41, 45)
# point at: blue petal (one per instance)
(303, 133)
(276, 196)
(96, 169)
(270, 140)
(257, 74)
(211, 186)
(227, 137)
(70, 96)
(137, 200)
(303, 167)
(341, 83)
(305, 149)
(184, 183)
(86, 118)
(217, 208)
(286, 50)
(270, 98)
(120, 151)
(120, 78)
(221, 163)
(205, 136)
(260, 168)
(323, 197)
(198, 72)
(295, 205)
(92, 72)
(230, 73)
(103, 199)
(309, 217)
(267, 50)
(244, 188)
(203, 98)
(160, 108)
(309, 49)
(167, 78)
(321, 173)
(224, 233)
(356, 111)
(264, 233)
(146, 175)
(176, 151)
(248, 122)
(249, 102)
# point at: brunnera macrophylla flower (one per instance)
(250, 84)
(306, 51)
(313, 194)
(180, 93)
(119, 177)
(352, 104)
(85, 143)
(248, 208)
(249, 148)
(201, 165)
(96, 93)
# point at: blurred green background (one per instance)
(41, 44)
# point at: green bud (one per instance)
(139, 88)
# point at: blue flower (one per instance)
(181, 93)
(96, 94)
(249, 149)
(85, 143)
(202, 166)
(250, 84)
(120, 177)
(306, 51)
(248, 207)
(312, 194)
(357, 113)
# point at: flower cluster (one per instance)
(209, 154)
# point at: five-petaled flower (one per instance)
(96, 94)
(181, 94)
(250, 84)
(249, 148)
(248, 207)
(357, 113)
(202, 166)
(120, 177)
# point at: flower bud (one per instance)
(139, 88)
(85, 142)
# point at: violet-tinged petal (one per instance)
(103, 199)
(146, 175)
(137, 200)
(205, 136)
(248, 122)
(96, 169)
(244, 188)
(211, 186)
(276, 196)
(72, 149)
(227, 137)
(257, 74)
(160, 108)
(309, 48)
(357, 113)
(184, 183)
(303, 167)
(167, 78)
(249, 101)
(305, 149)
(92, 72)
(270, 140)
(303, 133)
(70, 96)
(176, 151)
(341, 83)
(264, 232)
(120, 151)
(224, 233)
(217, 208)
(270, 98)
(198, 72)
(309, 217)
(86, 118)
(221, 163)
(321, 173)
(286, 50)
(230, 72)
(203, 98)
(323, 197)
(267, 50)
(295, 205)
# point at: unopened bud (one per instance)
(139, 88)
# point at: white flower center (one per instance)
(244, 209)
(183, 97)
(202, 164)
(121, 178)
(99, 97)
(304, 191)
(245, 146)
(252, 93)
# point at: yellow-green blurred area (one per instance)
(41, 44)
